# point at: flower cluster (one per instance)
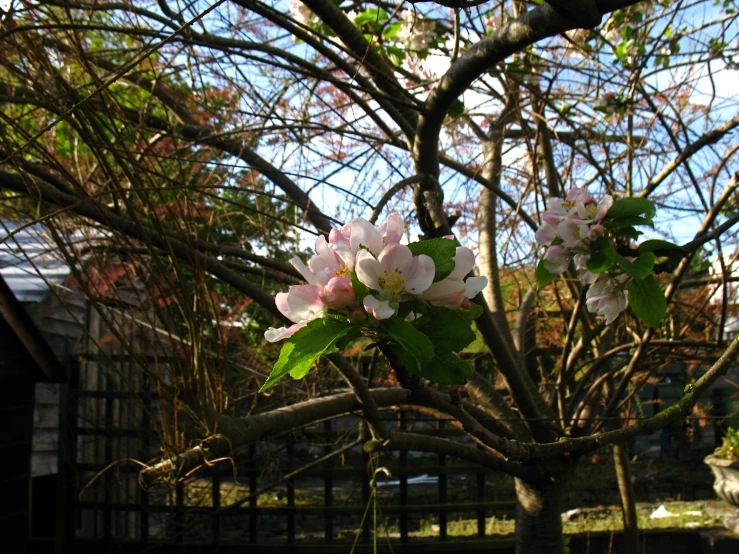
(302, 13)
(378, 261)
(415, 31)
(569, 227)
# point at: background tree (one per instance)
(199, 146)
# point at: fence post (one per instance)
(403, 458)
(253, 493)
(365, 495)
(328, 484)
(216, 505)
(480, 498)
(179, 516)
(442, 486)
(290, 495)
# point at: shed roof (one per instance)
(30, 263)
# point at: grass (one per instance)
(601, 518)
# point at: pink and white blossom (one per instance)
(363, 234)
(546, 233)
(302, 13)
(608, 296)
(301, 304)
(453, 291)
(557, 259)
(394, 273)
(415, 31)
(573, 232)
(338, 293)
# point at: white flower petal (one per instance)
(273, 335)
(301, 268)
(380, 309)
(368, 269)
(474, 286)
(363, 233)
(464, 261)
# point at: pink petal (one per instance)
(393, 228)
(545, 234)
(338, 293)
(420, 274)
(395, 256)
(300, 303)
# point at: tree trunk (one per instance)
(539, 517)
(626, 494)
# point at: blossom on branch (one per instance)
(453, 291)
(395, 272)
(569, 228)
(415, 31)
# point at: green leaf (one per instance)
(628, 232)
(647, 300)
(642, 266)
(408, 344)
(441, 251)
(396, 55)
(655, 244)
(456, 109)
(472, 314)
(627, 220)
(632, 206)
(448, 331)
(318, 338)
(543, 275)
(446, 371)
(391, 31)
(602, 255)
(371, 15)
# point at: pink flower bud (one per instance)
(338, 293)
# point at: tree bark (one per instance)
(538, 516)
(626, 495)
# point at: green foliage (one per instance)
(647, 300)
(447, 329)
(449, 333)
(729, 449)
(471, 314)
(631, 207)
(300, 351)
(543, 275)
(655, 244)
(602, 255)
(639, 268)
(412, 348)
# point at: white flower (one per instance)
(300, 305)
(607, 296)
(573, 232)
(302, 13)
(396, 272)
(415, 31)
(453, 291)
(557, 259)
